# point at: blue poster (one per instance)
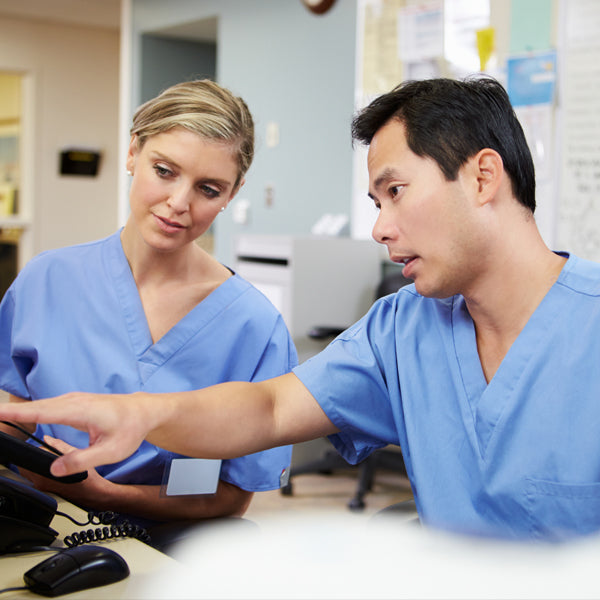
(532, 79)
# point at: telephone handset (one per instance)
(14, 451)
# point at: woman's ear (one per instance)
(132, 153)
(235, 191)
(489, 170)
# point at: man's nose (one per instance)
(384, 229)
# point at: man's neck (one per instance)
(502, 306)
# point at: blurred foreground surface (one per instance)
(336, 556)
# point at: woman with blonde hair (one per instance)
(147, 309)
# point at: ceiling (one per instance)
(98, 13)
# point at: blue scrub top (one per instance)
(518, 457)
(73, 321)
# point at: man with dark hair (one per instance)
(483, 370)
(450, 121)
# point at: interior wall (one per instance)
(74, 76)
(295, 70)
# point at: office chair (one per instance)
(384, 458)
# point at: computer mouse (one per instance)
(74, 569)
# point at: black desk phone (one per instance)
(25, 516)
(26, 513)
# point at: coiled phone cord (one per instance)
(114, 526)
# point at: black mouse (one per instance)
(74, 569)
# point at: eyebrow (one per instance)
(161, 156)
(386, 175)
(224, 183)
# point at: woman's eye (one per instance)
(395, 190)
(209, 191)
(162, 171)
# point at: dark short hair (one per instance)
(450, 121)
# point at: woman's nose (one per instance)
(179, 200)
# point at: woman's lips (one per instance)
(168, 225)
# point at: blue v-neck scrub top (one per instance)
(518, 457)
(73, 321)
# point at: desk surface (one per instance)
(141, 558)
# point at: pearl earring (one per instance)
(222, 208)
(129, 172)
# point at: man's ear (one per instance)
(489, 170)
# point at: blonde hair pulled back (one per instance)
(205, 108)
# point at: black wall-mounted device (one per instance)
(79, 162)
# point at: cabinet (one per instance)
(311, 280)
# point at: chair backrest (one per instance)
(390, 284)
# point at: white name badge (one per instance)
(189, 476)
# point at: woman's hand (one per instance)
(93, 492)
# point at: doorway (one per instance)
(175, 54)
(180, 53)
(11, 102)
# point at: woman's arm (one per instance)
(223, 421)
(146, 501)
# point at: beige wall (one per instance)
(73, 78)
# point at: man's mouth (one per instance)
(407, 262)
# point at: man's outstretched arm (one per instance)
(222, 421)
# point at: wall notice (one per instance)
(579, 198)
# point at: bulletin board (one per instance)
(408, 39)
(578, 222)
(563, 130)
